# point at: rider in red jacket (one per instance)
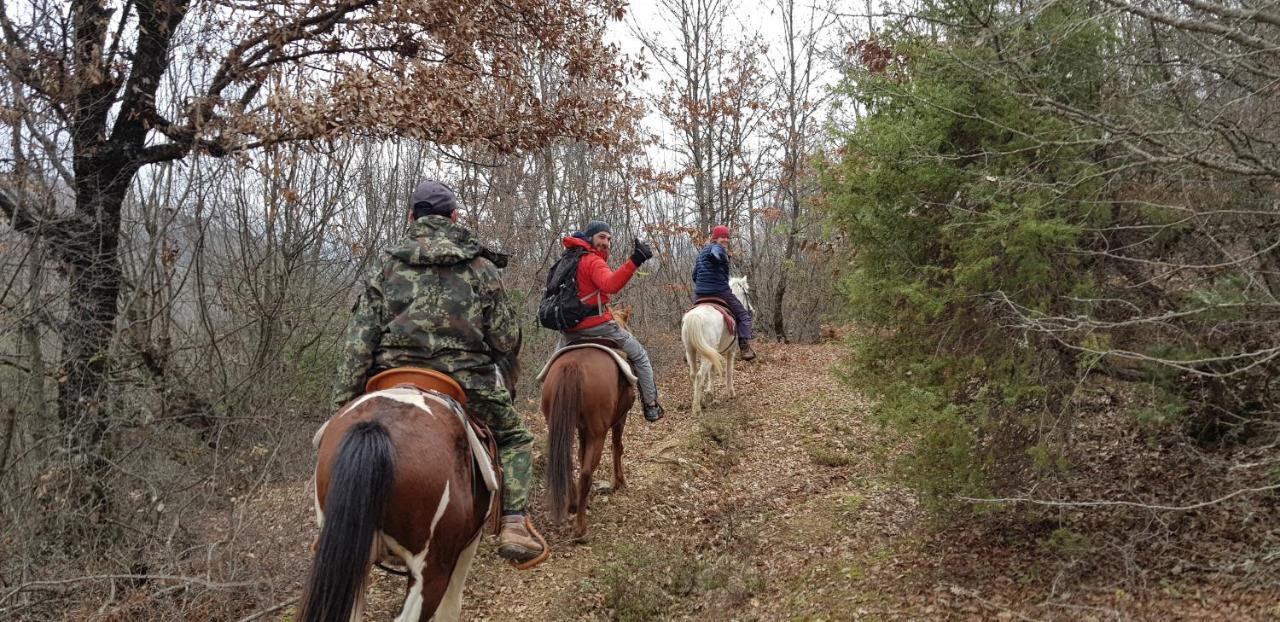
(596, 282)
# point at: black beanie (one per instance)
(596, 226)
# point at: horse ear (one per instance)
(622, 314)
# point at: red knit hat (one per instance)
(720, 231)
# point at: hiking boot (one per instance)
(515, 543)
(652, 413)
(746, 353)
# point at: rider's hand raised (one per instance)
(640, 252)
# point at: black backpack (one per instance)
(561, 308)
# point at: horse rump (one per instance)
(360, 484)
(700, 333)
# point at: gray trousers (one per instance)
(635, 352)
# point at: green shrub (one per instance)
(964, 222)
(1066, 543)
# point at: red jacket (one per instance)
(596, 282)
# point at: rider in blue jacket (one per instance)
(711, 278)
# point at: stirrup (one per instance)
(542, 557)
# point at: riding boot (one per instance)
(747, 354)
(652, 412)
(515, 542)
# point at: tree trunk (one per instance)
(788, 258)
(94, 280)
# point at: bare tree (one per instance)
(107, 90)
(796, 78)
(711, 99)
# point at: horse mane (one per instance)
(742, 289)
(622, 315)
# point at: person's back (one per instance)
(436, 300)
(438, 290)
(711, 278)
(711, 271)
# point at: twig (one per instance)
(968, 593)
(30, 585)
(270, 610)
(1134, 504)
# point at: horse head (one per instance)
(742, 289)
(622, 315)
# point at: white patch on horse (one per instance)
(412, 609)
(412, 397)
(315, 440)
(315, 497)
(450, 608)
(413, 602)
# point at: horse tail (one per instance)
(359, 486)
(566, 406)
(694, 336)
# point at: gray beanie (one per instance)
(596, 226)
(432, 198)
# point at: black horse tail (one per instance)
(359, 486)
(566, 403)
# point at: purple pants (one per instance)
(739, 310)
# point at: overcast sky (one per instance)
(746, 18)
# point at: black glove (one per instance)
(640, 252)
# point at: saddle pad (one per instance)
(622, 362)
(416, 398)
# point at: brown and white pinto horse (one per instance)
(395, 481)
(583, 390)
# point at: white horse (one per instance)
(709, 345)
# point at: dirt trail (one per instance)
(761, 509)
(774, 505)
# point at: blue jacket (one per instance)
(711, 271)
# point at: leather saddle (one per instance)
(723, 307)
(418, 378)
(432, 381)
(609, 345)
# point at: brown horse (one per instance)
(396, 482)
(583, 390)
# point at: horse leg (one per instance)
(728, 373)
(450, 609)
(697, 389)
(694, 377)
(691, 358)
(707, 371)
(619, 482)
(424, 596)
(595, 447)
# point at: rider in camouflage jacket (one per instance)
(436, 300)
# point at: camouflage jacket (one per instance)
(435, 300)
